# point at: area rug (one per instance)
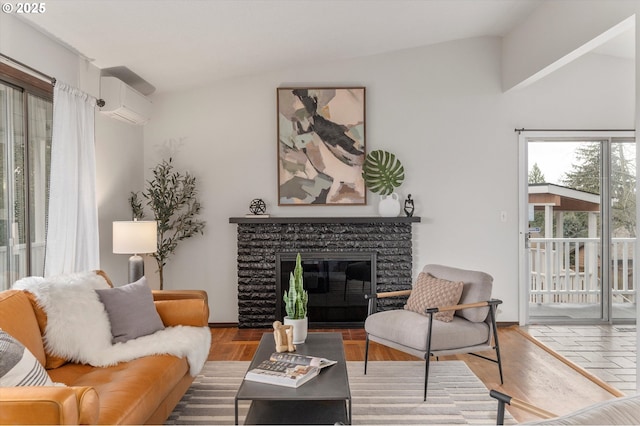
(390, 394)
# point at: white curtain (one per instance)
(72, 228)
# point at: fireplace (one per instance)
(386, 241)
(336, 283)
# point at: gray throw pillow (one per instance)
(131, 310)
(18, 366)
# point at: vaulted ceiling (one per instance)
(175, 44)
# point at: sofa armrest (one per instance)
(49, 405)
(182, 307)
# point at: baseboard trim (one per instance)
(235, 324)
(223, 324)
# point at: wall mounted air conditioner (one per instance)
(122, 102)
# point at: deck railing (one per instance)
(567, 270)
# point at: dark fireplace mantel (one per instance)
(260, 240)
(329, 219)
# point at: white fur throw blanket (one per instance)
(78, 327)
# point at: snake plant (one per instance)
(296, 298)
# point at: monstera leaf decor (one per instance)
(382, 172)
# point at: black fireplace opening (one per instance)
(336, 284)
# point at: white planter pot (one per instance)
(300, 327)
(389, 205)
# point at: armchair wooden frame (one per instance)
(492, 304)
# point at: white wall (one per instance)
(25, 44)
(119, 147)
(439, 108)
(558, 32)
(592, 92)
(119, 154)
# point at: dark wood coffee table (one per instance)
(325, 399)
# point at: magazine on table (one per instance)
(287, 369)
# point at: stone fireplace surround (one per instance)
(260, 239)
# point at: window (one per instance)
(26, 113)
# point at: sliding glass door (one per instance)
(623, 228)
(579, 230)
(25, 152)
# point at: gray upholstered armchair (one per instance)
(463, 320)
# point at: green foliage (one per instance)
(535, 174)
(295, 300)
(585, 176)
(173, 198)
(623, 189)
(382, 172)
(136, 206)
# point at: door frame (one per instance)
(524, 135)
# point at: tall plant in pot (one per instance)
(295, 303)
(172, 197)
(383, 173)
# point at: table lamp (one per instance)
(135, 237)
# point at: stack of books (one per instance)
(287, 369)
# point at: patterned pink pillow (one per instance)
(432, 292)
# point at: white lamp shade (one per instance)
(135, 237)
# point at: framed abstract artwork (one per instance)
(321, 146)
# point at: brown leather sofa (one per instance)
(142, 391)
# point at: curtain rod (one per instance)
(41, 75)
(573, 130)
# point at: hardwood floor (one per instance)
(530, 372)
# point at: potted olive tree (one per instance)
(295, 303)
(383, 173)
(173, 199)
